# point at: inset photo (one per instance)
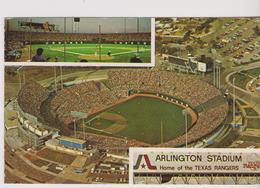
(74, 39)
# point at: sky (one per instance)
(90, 25)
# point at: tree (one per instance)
(257, 30)
(187, 35)
(189, 48)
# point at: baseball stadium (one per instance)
(76, 124)
(78, 40)
(135, 107)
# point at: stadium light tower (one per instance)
(75, 128)
(214, 73)
(185, 113)
(137, 22)
(99, 41)
(30, 46)
(84, 133)
(219, 76)
(55, 78)
(20, 80)
(61, 79)
(64, 45)
(234, 101)
(125, 24)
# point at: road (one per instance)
(252, 100)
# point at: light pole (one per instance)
(99, 29)
(234, 101)
(184, 112)
(55, 79)
(219, 67)
(75, 131)
(137, 32)
(20, 81)
(61, 79)
(214, 73)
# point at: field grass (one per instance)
(250, 139)
(56, 156)
(240, 80)
(254, 72)
(250, 112)
(244, 77)
(90, 52)
(145, 116)
(253, 123)
(100, 123)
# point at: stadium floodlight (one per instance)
(55, 79)
(234, 101)
(77, 114)
(61, 79)
(65, 42)
(80, 115)
(214, 73)
(18, 71)
(75, 128)
(185, 113)
(137, 32)
(99, 41)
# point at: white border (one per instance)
(117, 8)
(96, 64)
(130, 8)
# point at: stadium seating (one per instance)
(88, 97)
(31, 96)
(42, 37)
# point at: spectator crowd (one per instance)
(90, 98)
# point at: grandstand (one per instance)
(31, 97)
(122, 85)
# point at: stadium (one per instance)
(130, 107)
(78, 123)
(78, 39)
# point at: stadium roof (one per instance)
(11, 119)
(79, 162)
(88, 25)
(177, 60)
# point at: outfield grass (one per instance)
(90, 52)
(145, 116)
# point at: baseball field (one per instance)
(93, 53)
(145, 119)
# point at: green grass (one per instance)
(144, 117)
(240, 80)
(241, 102)
(100, 123)
(254, 72)
(250, 139)
(119, 52)
(253, 123)
(244, 77)
(250, 112)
